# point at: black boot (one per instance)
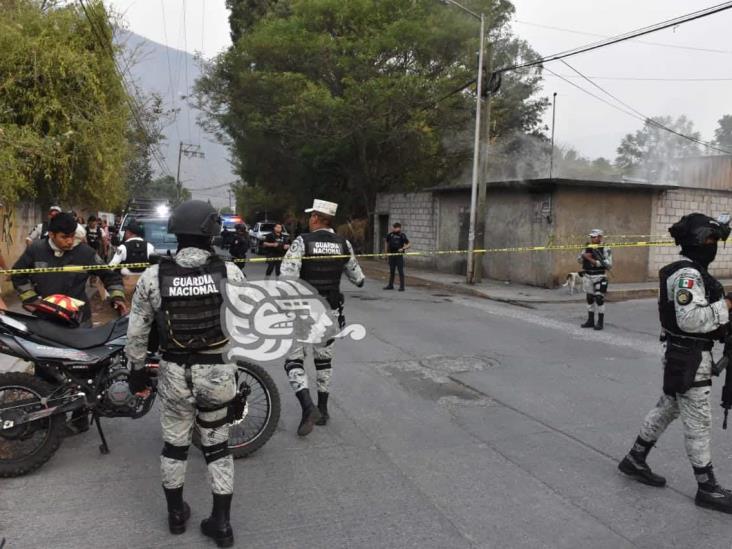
(711, 495)
(590, 321)
(218, 525)
(634, 464)
(178, 510)
(323, 408)
(389, 286)
(600, 321)
(310, 414)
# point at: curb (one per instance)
(463, 289)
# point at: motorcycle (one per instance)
(83, 371)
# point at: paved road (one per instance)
(457, 422)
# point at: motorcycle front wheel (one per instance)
(263, 411)
(25, 447)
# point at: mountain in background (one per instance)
(165, 71)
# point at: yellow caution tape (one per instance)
(514, 249)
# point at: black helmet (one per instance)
(196, 218)
(695, 228)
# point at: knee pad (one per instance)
(600, 299)
(178, 453)
(215, 452)
(323, 364)
(293, 364)
(590, 299)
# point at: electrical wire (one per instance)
(596, 35)
(652, 79)
(625, 36)
(648, 120)
(173, 102)
(185, 49)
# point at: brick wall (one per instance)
(669, 207)
(416, 213)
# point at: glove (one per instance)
(138, 380)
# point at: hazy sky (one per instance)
(698, 50)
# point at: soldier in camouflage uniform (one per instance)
(596, 261)
(694, 312)
(325, 276)
(181, 296)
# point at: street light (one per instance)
(476, 144)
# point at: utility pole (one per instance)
(189, 150)
(554, 115)
(485, 139)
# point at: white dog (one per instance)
(573, 279)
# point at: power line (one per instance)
(105, 41)
(625, 36)
(659, 44)
(170, 68)
(185, 48)
(652, 79)
(648, 119)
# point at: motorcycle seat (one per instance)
(74, 338)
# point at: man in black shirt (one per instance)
(277, 246)
(239, 245)
(57, 251)
(94, 235)
(396, 243)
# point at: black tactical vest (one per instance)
(190, 315)
(713, 289)
(136, 253)
(591, 268)
(324, 274)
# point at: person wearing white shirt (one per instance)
(133, 250)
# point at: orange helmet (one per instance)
(61, 309)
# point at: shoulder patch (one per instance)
(683, 297)
(687, 283)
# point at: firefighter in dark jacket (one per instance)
(57, 251)
(325, 276)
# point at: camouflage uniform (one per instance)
(322, 352)
(696, 315)
(595, 285)
(213, 385)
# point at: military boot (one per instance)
(600, 321)
(711, 495)
(218, 525)
(310, 414)
(590, 321)
(634, 464)
(323, 408)
(178, 510)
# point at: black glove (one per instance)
(138, 380)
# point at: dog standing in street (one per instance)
(573, 279)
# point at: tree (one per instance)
(163, 187)
(652, 153)
(723, 133)
(343, 100)
(63, 105)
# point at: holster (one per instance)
(680, 366)
(236, 408)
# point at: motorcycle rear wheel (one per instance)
(16, 386)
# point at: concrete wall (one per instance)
(615, 211)
(669, 208)
(452, 216)
(416, 213)
(15, 224)
(518, 218)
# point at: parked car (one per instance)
(156, 233)
(259, 232)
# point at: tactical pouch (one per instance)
(236, 408)
(602, 287)
(680, 367)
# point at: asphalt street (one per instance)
(457, 422)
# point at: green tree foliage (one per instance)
(652, 153)
(63, 116)
(342, 100)
(723, 132)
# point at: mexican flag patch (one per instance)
(687, 283)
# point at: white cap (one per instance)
(54, 209)
(324, 207)
(596, 232)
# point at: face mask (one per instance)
(703, 255)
